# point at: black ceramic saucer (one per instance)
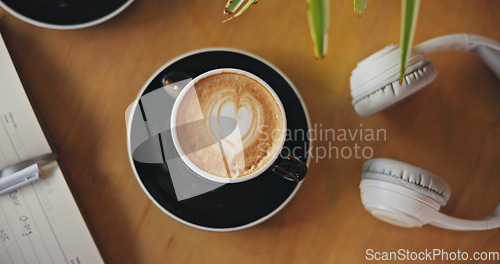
(231, 206)
(64, 14)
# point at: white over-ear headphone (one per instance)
(394, 191)
(375, 81)
(405, 195)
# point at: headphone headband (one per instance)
(486, 49)
(448, 222)
(461, 42)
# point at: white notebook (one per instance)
(39, 222)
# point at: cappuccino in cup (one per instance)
(243, 128)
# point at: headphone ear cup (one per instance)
(408, 176)
(388, 91)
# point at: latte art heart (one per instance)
(245, 109)
(243, 122)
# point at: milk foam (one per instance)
(246, 147)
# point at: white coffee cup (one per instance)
(291, 165)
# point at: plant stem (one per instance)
(409, 14)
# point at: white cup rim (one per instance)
(189, 163)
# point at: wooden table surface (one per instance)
(82, 81)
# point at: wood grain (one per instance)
(82, 81)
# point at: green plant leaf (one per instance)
(318, 12)
(233, 5)
(409, 14)
(360, 6)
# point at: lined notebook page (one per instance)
(39, 222)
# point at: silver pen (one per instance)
(22, 173)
